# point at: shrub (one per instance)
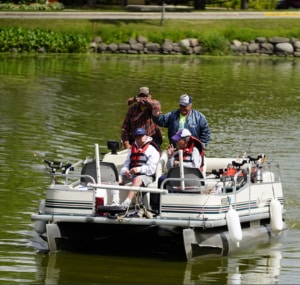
(31, 6)
(22, 40)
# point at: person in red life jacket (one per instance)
(192, 150)
(139, 115)
(140, 165)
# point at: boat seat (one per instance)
(161, 165)
(192, 185)
(108, 171)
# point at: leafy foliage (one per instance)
(21, 40)
(30, 6)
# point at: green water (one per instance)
(59, 106)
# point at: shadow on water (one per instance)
(263, 267)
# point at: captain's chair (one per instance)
(191, 182)
(108, 172)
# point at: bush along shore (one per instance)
(277, 46)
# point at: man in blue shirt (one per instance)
(184, 117)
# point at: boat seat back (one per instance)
(192, 184)
(108, 172)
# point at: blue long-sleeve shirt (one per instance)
(195, 122)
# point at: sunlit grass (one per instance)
(215, 33)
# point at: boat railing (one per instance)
(68, 177)
(127, 188)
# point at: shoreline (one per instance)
(274, 46)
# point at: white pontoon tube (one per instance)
(275, 212)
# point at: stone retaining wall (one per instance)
(279, 46)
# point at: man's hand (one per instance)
(133, 170)
(127, 173)
(156, 108)
(127, 145)
(146, 101)
(170, 150)
(130, 101)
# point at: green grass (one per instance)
(121, 31)
(214, 33)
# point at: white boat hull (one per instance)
(217, 219)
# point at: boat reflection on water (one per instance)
(261, 266)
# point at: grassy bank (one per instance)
(120, 31)
(212, 32)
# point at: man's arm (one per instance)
(196, 158)
(150, 167)
(126, 164)
(204, 132)
(162, 119)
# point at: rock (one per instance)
(236, 43)
(102, 47)
(297, 45)
(93, 45)
(112, 47)
(284, 48)
(276, 40)
(176, 48)
(184, 43)
(153, 47)
(137, 46)
(266, 48)
(132, 41)
(253, 47)
(124, 47)
(194, 42)
(261, 40)
(199, 50)
(167, 46)
(279, 46)
(142, 40)
(187, 50)
(297, 54)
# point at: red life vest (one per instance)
(187, 153)
(138, 157)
